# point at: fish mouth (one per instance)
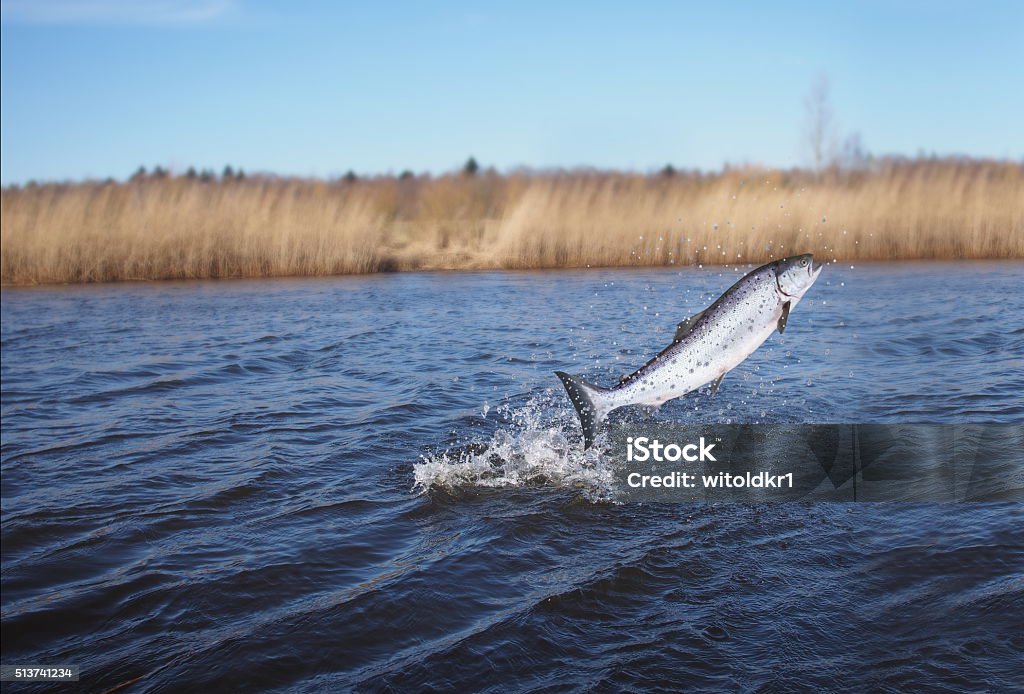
(815, 269)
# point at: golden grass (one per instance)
(184, 228)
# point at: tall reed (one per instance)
(186, 228)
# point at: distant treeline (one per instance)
(196, 224)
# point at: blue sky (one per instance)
(97, 87)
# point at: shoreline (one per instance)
(168, 228)
(872, 263)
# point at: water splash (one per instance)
(538, 443)
(534, 446)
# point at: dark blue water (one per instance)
(374, 484)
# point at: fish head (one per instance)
(796, 274)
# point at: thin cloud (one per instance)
(153, 12)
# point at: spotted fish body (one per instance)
(706, 346)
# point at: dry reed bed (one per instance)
(179, 228)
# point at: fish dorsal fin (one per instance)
(784, 317)
(684, 328)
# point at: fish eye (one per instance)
(803, 263)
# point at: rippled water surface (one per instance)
(376, 484)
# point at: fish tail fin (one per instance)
(590, 403)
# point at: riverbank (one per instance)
(170, 227)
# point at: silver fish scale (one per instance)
(730, 330)
(706, 347)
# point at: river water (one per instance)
(375, 483)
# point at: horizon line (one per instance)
(207, 173)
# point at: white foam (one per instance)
(535, 445)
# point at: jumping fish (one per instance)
(706, 346)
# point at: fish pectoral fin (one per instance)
(683, 329)
(784, 317)
(717, 382)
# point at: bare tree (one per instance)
(854, 155)
(820, 133)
